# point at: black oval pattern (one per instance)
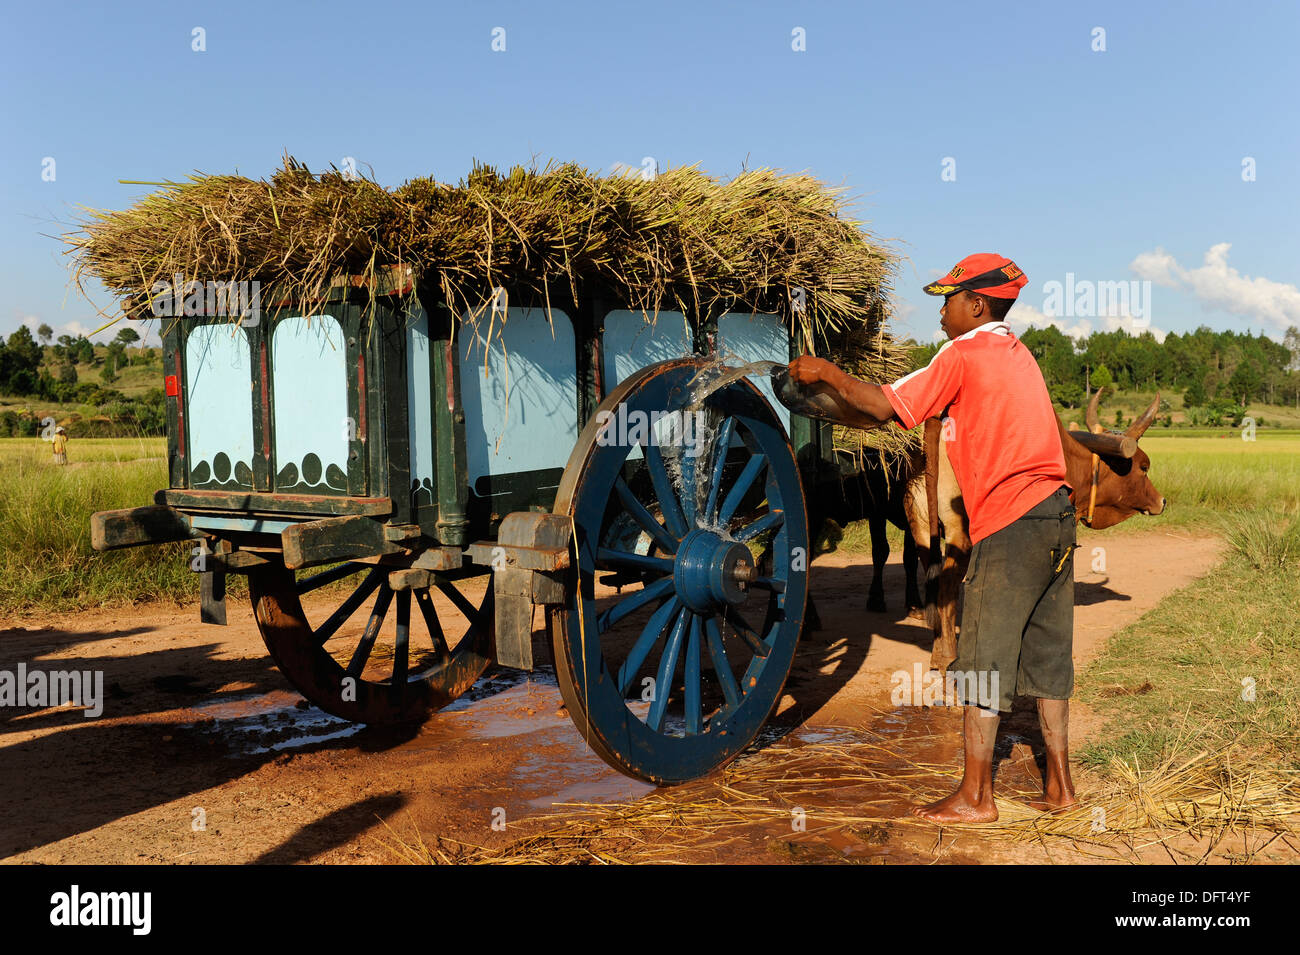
(221, 467)
(311, 469)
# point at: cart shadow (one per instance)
(830, 657)
(333, 830)
(174, 722)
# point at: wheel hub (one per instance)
(710, 572)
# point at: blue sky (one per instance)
(1117, 165)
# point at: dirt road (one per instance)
(205, 754)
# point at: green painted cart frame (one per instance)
(330, 436)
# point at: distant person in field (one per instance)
(60, 442)
(1017, 623)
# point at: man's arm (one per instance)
(863, 395)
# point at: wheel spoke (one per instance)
(720, 462)
(663, 486)
(747, 633)
(362, 654)
(401, 646)
(308, 584)
(667, 666)
(737, 493)
(620, 558)
(632, 603)
(770, 583)
(460, 600)
(346, 609)
(693, 708)
(650, 635)
(689, 490)
(425, 603)
(643, 517)
(721, 665)
(769, 521)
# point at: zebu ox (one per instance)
(1107, 474)
(877, 493)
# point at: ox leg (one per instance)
(879, 556)
(912, 593)
(944, 650)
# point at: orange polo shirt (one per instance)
(1002, 433)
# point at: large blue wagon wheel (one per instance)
(351, 669)
(676, 674)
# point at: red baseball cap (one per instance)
(985, 272)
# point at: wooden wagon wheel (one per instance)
(339, 670)
(672, 678)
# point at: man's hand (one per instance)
(806, 370)
(863, 396)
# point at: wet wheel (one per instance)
(677, 673)
(351, 673)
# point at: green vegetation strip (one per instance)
(1219, 659)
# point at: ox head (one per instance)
(1123, 487)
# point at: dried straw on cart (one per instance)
(681, 241)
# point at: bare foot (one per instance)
(1049, 803)
(958, 808)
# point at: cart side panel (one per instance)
(521, 416)
(757, 337)
(219, 406)
(631, 343)
(311, 422)
(420, 423)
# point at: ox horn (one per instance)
(1136, 429)
(1091, 418)
(1107, 442)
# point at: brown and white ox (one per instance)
(1106, 471)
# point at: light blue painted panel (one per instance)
(531, 377)
(254, 525)
(630, 342)
(308, 373)
(219, 392)
(757, 338)
(419, 409)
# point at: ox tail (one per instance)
(935, 565)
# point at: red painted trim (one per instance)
(180, 416)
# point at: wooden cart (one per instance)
(374, 437)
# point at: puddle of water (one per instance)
(272, 722)
(584, 777)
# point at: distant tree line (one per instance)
(1208, 368)
(48, 372)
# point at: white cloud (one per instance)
(1023, 316)
(1219, 286)
(74, 328)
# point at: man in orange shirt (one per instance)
(1002, 438)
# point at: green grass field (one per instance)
(46, 562)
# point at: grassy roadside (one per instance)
(1191, 666)
(46, 562)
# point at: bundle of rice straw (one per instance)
(680, 241)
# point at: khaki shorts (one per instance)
(1017, 619)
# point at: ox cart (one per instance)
(502, 428)
(370, 439)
